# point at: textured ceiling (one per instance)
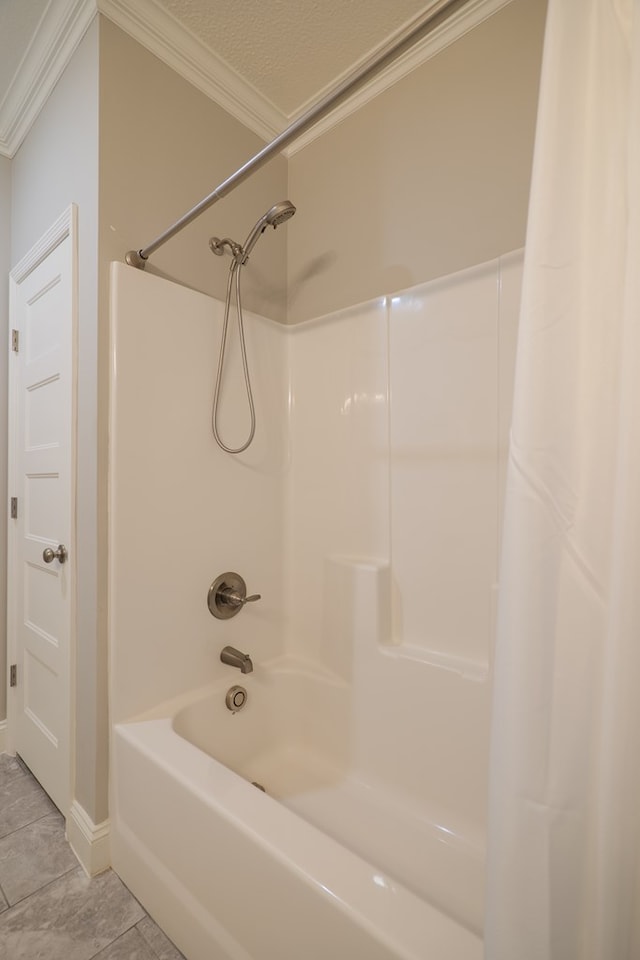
(18, 23)
(290, 50)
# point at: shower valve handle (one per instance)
(234, 599)
(228, 595)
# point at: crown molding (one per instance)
(61, 29)
(176, 46)
(66, 21)
(165, 37)
(454, 27)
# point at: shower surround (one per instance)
(366, 514)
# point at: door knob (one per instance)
(48, 555)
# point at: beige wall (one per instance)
(5, 266)
(429, 177)
(163, 147)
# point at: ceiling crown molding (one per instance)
(65, 22)
(61, 29)
(176, 46)
(172, 43)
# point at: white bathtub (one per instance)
(325, 865)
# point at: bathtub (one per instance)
(320, 864)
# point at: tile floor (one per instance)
(49, 909)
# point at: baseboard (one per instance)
(3, 736)
(89, 841)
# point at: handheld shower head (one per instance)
(278, 213)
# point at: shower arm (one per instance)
(438, 12)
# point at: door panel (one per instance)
(42, 458)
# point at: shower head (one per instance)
(278, 213)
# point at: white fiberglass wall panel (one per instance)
(400, 417)
(431, 371)
(452, 350)
(182, 511)
(338, 483)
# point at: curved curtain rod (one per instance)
(437, 13)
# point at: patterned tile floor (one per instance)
(49, 909)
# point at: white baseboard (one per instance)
(89, 841)
(3, 736)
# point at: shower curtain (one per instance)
(564, 804)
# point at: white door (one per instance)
(41, 477)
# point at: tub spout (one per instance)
(237, 659)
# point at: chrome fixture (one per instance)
(217, 246)
(237, 659)
(236, 698)
(277, 214)
(228, 595)
(61, 554)
(438, 12)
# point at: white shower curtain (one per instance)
(564, 806)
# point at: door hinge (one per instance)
(13, 675)
(14, 508)
(15, 340)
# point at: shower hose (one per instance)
(234, 274)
